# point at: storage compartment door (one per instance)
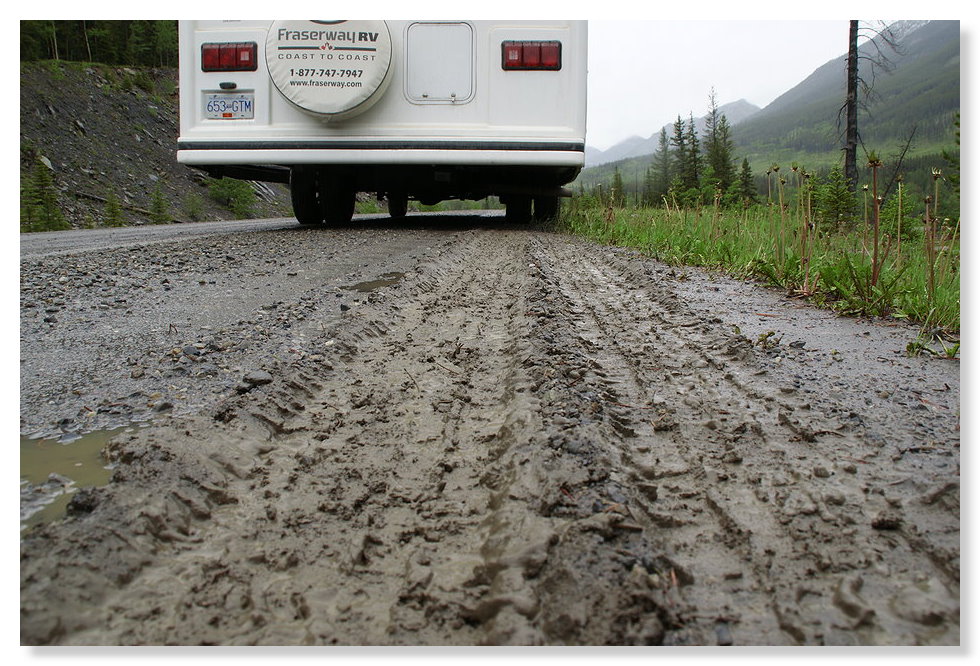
(439, 63)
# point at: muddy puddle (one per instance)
(51, 471)
(385, 280)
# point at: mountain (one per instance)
(621, 150)
(920, 90)
(636, 146)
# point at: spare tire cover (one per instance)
(333, 69)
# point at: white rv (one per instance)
(423, 110)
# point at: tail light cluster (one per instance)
(229, 57)
(531, 55)
(243, 56)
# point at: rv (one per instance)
(409, 110)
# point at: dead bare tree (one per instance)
(882, 40)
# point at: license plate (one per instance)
(224, 106)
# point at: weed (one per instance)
(922, 344)
(238, 196)
(768, 340)
(369, 207)
(194, 207)
(785, 243)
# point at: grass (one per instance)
(856, 272)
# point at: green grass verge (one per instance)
(832, 268)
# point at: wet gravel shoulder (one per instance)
(165, 321)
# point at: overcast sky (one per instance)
(643, 74)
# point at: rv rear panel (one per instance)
(427, 110)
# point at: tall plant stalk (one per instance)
(930, 243)
(874, 164)
(900, 183)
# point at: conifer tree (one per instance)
(678, 143)
(836, 203)
(618, 195)
(113, 211)
(718, 145)
(693, 166)
(649, 195)
(39, 210)
(747, 189)
(159, 214)
(663, 168)
(686, 156)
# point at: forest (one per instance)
(133, 43)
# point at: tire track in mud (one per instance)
(750, 503)
(528, 440)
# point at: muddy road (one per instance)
(456, 432)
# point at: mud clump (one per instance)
(524, 440)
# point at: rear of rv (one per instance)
(421, 110)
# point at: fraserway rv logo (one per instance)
(340, 40)
(295, 43)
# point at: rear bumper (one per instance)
(384, 152)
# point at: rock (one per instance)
(257, 378)
(84, 501)
(887, 520)
(723, 633)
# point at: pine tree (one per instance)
(836, 203)
(718, 146)
(687, 159)
(746, 185)
(693, 167)
(663, 167)
(649, 196)
(159, 214)
(678, 143)
(39, 210)
(618, 195)
(113, 211)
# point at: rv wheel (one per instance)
(519, 209)
(336, 200)
(546, 208)
(303, 193)
(397, 204)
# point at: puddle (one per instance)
(51, 472)
(385, 280)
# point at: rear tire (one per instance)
(336, 200)
(518, 209)
(303, 193)
(546, 208)
(397, 205)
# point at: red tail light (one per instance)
(229, 57)
(531, 55)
